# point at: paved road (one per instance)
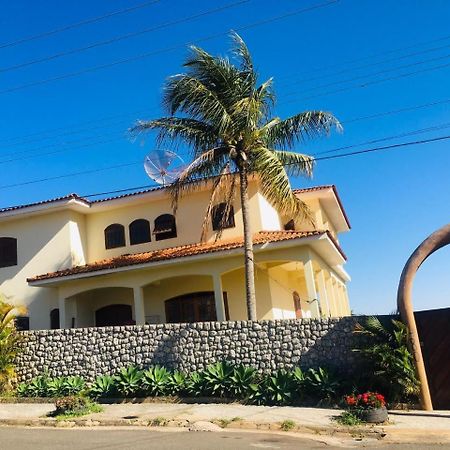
(138, 439)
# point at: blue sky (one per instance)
(326, 58)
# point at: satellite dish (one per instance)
(163, 166)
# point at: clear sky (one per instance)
(356, 58)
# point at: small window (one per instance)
(54, 319)
(219, 221)
(139, 231)
(165, 227)
(8, 252)
(290, 226)
(114, 236)
(22, 323)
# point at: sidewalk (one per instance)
(434, 426)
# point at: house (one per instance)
(126, 259)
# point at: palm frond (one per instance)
(296, 164)
(303, 126)
(196, 134)
(275, 184)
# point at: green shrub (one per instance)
(38, 387)
(321, 384)
(9, 344)
(278, 389)
(287, 425)
(73, 385)
(217, 379)
(177, 383)
(348, 418)
(390, 361)
(129, 381)
(103, 386)
(70, 404)
(156, 380)
(195, 384)
(243, 382)
(56, 387)
(22, 390)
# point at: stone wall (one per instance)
(265, 345)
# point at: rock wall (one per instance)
(265, 345)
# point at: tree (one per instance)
(224, 117)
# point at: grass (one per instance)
(90, 408)
(288, 425)
(158, 422)
(347, 418)
(223, 423)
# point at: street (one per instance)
(137, 439)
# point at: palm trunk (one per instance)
(248, 246)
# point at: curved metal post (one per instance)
(435, 241)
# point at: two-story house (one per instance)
(126, 259)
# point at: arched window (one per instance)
(8, 251)
(290, 226)
(219, 221)
(165, 227)
(139, 231)
(114, 236)
(54, 319)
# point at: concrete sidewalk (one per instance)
(434, 425)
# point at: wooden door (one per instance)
(434, 333)
(193, 307)
(113, 315)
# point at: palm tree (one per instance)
(224, 117)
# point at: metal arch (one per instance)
(435, 241)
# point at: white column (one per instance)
(62, 313)
(323, 293)
(332, 298)
(139, 308)
(218, 297)
(313, 300)
(347, 301)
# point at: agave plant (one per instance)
(128, 381)
(73, 385)
(156, 380)
(38, 387)
(103, 386)
(22, 390)
(177, 383)
(321, 384)
(242, 382)
(56, 387)
(278, 388)
(217, 378)
(195, 384)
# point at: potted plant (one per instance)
(369, 406)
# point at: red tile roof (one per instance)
(44, 202)
(262, 237)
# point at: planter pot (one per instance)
(377, 415)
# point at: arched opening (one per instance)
(114, 236)
(54, 319)
(222, 216)
(8, 251)
(139, 231)
(114, 315)
(165, 227)
(192, 307)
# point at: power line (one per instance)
(380, 72)
(78, 24)
(163, 50)
(123, 37)
(323, 158)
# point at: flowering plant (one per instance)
(367, 400)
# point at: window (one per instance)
(290, 226)
(139, 231)
(114, 236)
(22, 323)
(165, 227)
(54, 319)
(218, 219)
(8, 252)
(194, 307)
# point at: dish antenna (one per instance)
(163, 166)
